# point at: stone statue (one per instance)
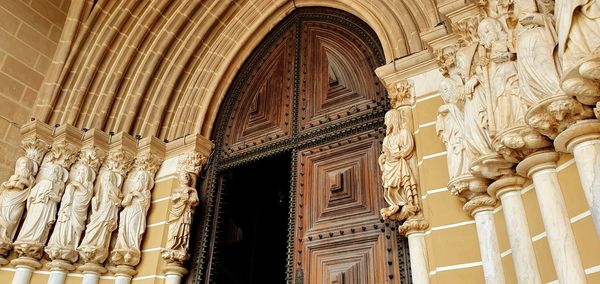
(13, 194)
(578, 28)
(537, 64)
(475, 110)
(42, 204)
(105, 208)
(103, 219)
(72, 214)
(132, 220)
(450, 127)
(183, 202)
(399, 183)
(507, 105)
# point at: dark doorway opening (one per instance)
(254, 223)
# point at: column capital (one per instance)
(27, 262)
(123, 270)
(479, 203)
(174, 269)
(580, 132)
(413, 225)
(537, 161)
(505, 185)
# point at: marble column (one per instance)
(582, 139)
(541, 167)
(481, 207)
(123, 274)
(90, 278)
(58, 271)
(174, 273)
(418, 257)
(24, 269)
(508, 190)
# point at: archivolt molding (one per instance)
(161, 68)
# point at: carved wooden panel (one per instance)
(263, 112)
(337, 75)
(340, 238)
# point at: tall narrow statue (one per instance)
(74, 208)
(132, 220)
(508, 106)
(477, 128)
(450, 127)
(43, 199)
(13, 194)
(105, 208)
(399, 183)
(536, 44)
(183, 202)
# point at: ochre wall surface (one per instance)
(452, 243)
(29, 33)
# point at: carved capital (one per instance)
(147, 162)
(446, 58)
(35, 149)
(553, 115)
(467, 186)
(118, 161)
(191, 162)
(466, 29)
(413, 225)
(91, 157)
(401, 94)
(62, 153)
(479, 203)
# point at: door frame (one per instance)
(212, 188)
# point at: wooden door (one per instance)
(310, 89)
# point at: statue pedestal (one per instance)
(541, 167)
(508, 190)
(582, 139)
(25, 267)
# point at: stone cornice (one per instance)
(188, 143)
(406, 67)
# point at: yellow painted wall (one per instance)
(453, 249)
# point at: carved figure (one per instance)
(475, 111)
(13, 194)
(450, 128)
(578, 28)
(42, 204)
(132, 220)
(507, 105)
(72, 214)
(537, 65)
(399, 183)
(103, 219)
(184, 200)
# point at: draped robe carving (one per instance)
(450, 128)
(578, 29)
(103, 219)
(132, 220)
(72, 214)
(42, 205)
(399, 183)
(13, 195)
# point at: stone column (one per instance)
(481, 207)
(508, 190)
(419, 265)
(582, 139)
(25, 269)
(541, 167)
(58, 271)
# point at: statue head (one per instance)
(25, 167)
(185, 178)
(449, 91)
(489, 30)
(393, 121)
